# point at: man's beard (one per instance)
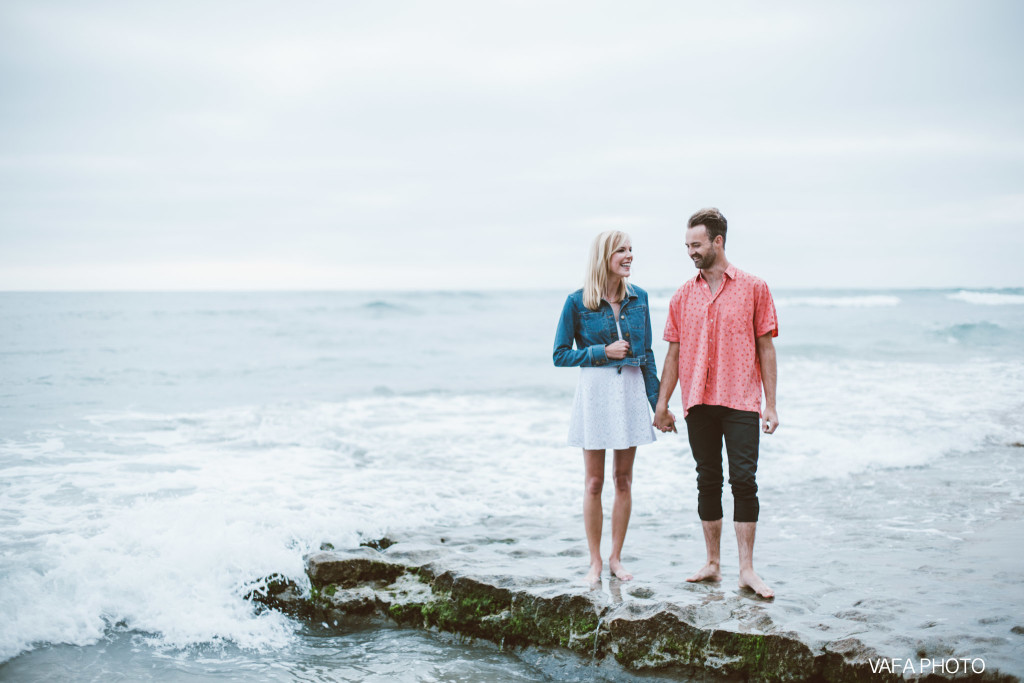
(705, 261)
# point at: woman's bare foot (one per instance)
(750, 579)
(618, 571)
(594, 575)
(709, 572)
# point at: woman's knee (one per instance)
(623, 482)
(594, 485)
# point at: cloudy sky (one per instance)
(336, 145)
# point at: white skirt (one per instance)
(610, 409)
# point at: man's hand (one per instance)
(664, 419)
(617, 350)
(770, 421)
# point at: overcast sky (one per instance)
(336, 145)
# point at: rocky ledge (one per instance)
(640, 635)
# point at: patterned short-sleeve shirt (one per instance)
(717, 335)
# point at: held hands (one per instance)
(617, 350)
(770, 421)
(664, 419)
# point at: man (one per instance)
(720, 328)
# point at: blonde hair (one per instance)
(596, 277)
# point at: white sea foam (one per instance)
(873, 301)
(852, 416)
(167, 540)
(987, 298)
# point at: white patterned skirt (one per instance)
(610, 409)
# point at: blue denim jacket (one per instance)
(592, 330)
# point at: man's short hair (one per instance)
(712, 219)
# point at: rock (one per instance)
(850, 660)
(378, 544)
(661, 636)
(404, 600)
(568, 620)
(274, 591)
(691, 641)
(351, 568)
(344, 601)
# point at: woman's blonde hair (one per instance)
(596, 278)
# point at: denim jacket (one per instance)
(592, 330)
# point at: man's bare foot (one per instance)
(618, 571)
(709, 572)
(750, 579)
(594, 575)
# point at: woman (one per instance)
(609, 321)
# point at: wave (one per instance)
(976, 334)
(987, 298)
(167, 538)
(380, 307)
(843, 417)
(873, 301)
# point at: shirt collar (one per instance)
(730, 273)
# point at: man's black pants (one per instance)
(705, 427)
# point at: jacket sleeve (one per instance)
(565, 355)
(650, 370)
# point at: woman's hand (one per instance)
(664, 419)
(617, 350)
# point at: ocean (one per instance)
(161, 453)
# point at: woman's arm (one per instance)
(565, 355)
(649, 368)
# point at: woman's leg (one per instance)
(621, 508)
(593, 515)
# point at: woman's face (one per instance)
(621, 260)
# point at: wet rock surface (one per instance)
(708, 640)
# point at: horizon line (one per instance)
(454, 290)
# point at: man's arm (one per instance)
(663, 418)
(769, 377)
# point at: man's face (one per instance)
(702, 250)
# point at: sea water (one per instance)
(160, 454)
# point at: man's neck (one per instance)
(715, 273)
